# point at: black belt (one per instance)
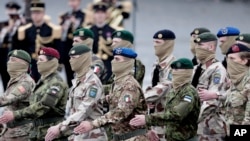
(37, 122)
(128, 135)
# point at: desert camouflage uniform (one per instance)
(211, 125)
(85, 104)
(126, 100)
(157, 94)
(16, 97)
(180, 115)
(47, 106)
(238, 104)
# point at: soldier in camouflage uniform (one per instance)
(18, 91)
(48, 102)
(227, 38)
(84, 97)
(237, 103)
(211, 81)
(155, 95)
(197, 31)
(85, 36)
(125, 100)
(181, 109)
(244, 39)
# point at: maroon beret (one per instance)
(48, 51)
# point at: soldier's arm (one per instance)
(51, 96)
(246, 120)
(126, 104)
(155, 93)
(20, 92)
(90, 98)
(176, 113)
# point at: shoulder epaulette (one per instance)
(21, 31)
(56, 30)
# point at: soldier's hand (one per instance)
(84, 127)
(152, 136)
(206, 95)
(6, 117)
(138, 120)
(52, 133)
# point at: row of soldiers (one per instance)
(185, 102)
(102, 17)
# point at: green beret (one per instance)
(84, 32)
(21, 54)
(244, 38)
(123, 34)
(78, 50)
(182, 63)
(205, 37)
(199, 30)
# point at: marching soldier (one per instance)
(237, 107)
(102, 37)
(37, 34)
(155, 95)
(126, 100)
(227, 38)
(244, 39)
(70, 21)
(211, 81)
(84, 36)
(47, 104)
(124, 38)
(8, 37)
(84, 97)
(18, 91)
(197, 31)
(181, 109)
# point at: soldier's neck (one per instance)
(100, 25)
(38, 24)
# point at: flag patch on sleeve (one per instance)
(92, 92)
(187, 98)
(127, 98)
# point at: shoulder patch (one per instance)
(170, 76)
(21, 89)
(217, 78)
(127, 98)
(187, 98)
(54, 90)
(21, 31)
(92, 92)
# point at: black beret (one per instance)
(13, 4)
(182, 63)
(199, 30)
(164, 34)
(238, 48)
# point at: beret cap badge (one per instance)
(198, 39)
(235, 48)
(73, 52)
(224, 31)
(196, 31)
(160, 36)
(15, 52)
(178, 64)
(118, 51)
(81, 33)
(118, 34)
(241, 37)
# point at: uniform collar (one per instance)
(205, 66)
(166, 62)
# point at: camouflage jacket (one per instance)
(180, 115)
(213, 78)
(157, 94)
(126, 100)
(84, 99)
(16, 97)
(17, 93)
(238, 103)
(48, 101)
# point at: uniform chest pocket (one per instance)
(237, 100)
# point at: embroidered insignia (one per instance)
(21, 89)
(92, 92)
(187, 98)
(127, 98)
